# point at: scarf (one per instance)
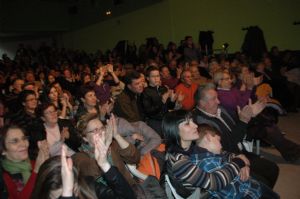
(90, 151)
(23, 167)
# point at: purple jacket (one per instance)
(232, 98)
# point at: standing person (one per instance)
(19, 172)
(180, 135)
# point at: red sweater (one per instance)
(12, 187)
(188, 102)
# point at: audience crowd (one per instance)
(152, 122)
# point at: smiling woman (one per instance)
(19, 173)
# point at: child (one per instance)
(215, 159)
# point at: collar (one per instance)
(223, 89)
(217, 115)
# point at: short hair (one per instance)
(204, 129)
(133, 75)
(27, 84)
(84, 89)
(150, 69)
(200, 93)
(84, 121)
(42, 107)
(24, 94)
(170, 127)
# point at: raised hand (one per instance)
(67, 174)
(101, 148)
(65, 134)
(42, 156)
(245, 114)
(173, 96)
(257, 107)
(165, 97)
(180, 97)
(110, 68)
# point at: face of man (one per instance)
(154, 78)
(137, 85)
(210, 103)
(187, 78)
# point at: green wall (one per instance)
(171, 20)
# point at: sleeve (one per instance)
(129, 155)
(123, 108)
(188, 173)
(74, 140)
(117, 187)
(152, 139)
(151, 106)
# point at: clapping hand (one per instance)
(67, 174)
(42, 156)
(101, 148)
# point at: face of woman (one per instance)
(53, 95)
(188, 132)
(93, 127)
(16, 144)
(51, 78)
(50, 115)
(90, 98)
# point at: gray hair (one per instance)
(201, 92)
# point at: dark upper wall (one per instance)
(173, 19)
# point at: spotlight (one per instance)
(225, 46)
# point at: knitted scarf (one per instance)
(23, 167)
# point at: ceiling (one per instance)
(37, 18)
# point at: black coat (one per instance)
(38, 133)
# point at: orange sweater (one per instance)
(188, 102)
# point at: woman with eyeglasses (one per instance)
(19, 172)
(120, 152)
(54, 130)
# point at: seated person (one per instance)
(19, 172)
(121, 152)
(58, 178)
(214, 158)
(55, 131)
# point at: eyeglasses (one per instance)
(226, 78)
(17, 141)
(50, 112)
(96, 130)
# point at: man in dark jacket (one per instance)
(233, 131)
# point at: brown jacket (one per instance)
(88, 166)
